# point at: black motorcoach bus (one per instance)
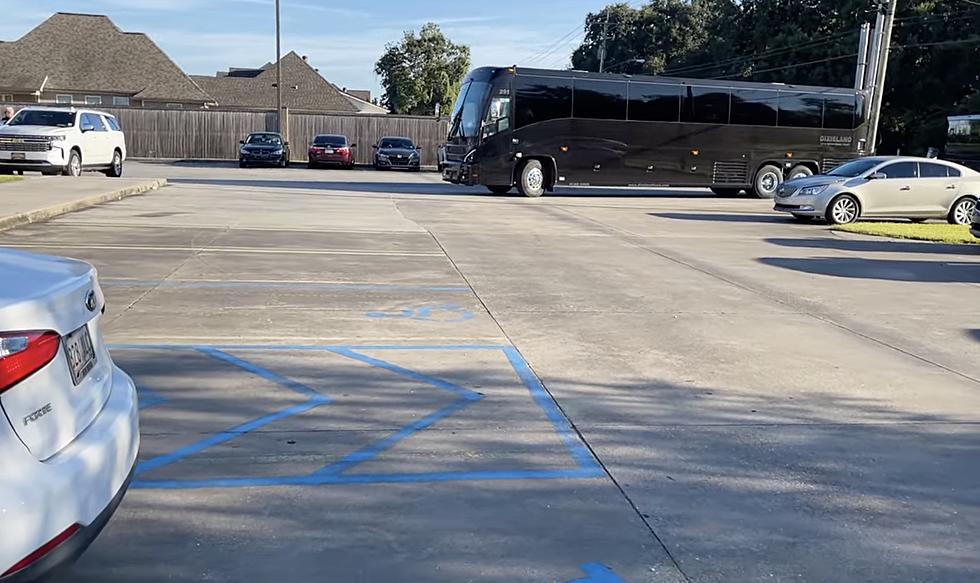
(537, 128)
(963, 140)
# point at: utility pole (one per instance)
(602, 47)
(888, 23)
(864, 42)
(279, 124)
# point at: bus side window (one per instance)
(754, 107)
(706, 105)
(838, 112)
(498, 116)
(538, 99)
(800, 110)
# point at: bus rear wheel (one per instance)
(726, 192)
(532, 181)
(767, 180)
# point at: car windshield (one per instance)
(855, 168)
(264, 140)
(38, 117)
(400, 143)
(333, 141)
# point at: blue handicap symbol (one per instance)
(597, 573)
(450, 313)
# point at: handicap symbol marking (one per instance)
(448, 313)
(598, 573)
(337, 472)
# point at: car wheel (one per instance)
(74, 167)
(962, 211)
(499, 188)
(531, 183)
(802, 218)
(767, 180)
(843, 210)
(243, 165)
(800, 171)
(116, 170)
(311, 165)
(726, 192)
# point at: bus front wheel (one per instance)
(767, 180)
(532, 181)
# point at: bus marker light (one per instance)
(695, 152)
(564, 149)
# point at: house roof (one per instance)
(87, 52)
(303, 88)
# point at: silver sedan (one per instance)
(884, 187)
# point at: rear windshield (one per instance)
(335, 141)
(264, 140)
(37, 117)
(396, 143)
(855, 168)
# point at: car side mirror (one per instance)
(375, 146)
(87, 128)
(878, 176)
(285, 143)
(353, 145)
(242, 142)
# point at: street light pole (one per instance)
(602, 48)
(278, 72)
(879, 88)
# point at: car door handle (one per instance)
(951, 187)
(905, 188)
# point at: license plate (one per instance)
(328, 151)
(18, 156)
(81, 353)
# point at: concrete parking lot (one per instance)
(374, 377)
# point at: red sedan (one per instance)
(331, 150)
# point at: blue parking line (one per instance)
(283, 285)
(598, 573)
(409, 374)
(149, 398)
(268, 375)
(307, 347)
(583, 457)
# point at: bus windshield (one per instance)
(467, 113)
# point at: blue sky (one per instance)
(342, 39)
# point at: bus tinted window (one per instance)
(653, 102)
(800, 110)
(600, 99)
(754, 107)
(838, 112)
(539, 99)
(705, 105)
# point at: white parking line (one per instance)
(204, 250)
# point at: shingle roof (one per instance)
(303, 88)
(87, 52)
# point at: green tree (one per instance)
(421, 71)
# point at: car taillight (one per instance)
(44, 550)
(24, 353)
(342, 150)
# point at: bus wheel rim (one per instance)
(769, 182)
(535, 178)
(964, 212)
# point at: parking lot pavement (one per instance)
(361, 376)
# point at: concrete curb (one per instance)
(51, 212)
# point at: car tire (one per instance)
(767, 180)
(74, 166)
(311, 165)
(243, 164)
(800, 171)
(116, 169)
(532, 180)
(499, 188)
(726, 192)
(802, 218)
(961, 213)
(843, 210)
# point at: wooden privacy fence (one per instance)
(214, 134)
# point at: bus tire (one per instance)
(499, 188)
(800, 171)
(767, 180)
(726, 192)
(532, 179)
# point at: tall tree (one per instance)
(421, 71)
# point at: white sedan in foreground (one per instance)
(69, 431)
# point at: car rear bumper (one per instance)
(336, 160)
(82, 484)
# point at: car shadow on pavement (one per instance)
(725, 218)
(866, 246)
(880, 269)
(433, 188)
(733, 474)
(975, 334)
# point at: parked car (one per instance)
(69, 430)
(333, 150)
(975, 223)
(397, 153)
(884, 186)
(265, 148)
(58, 140)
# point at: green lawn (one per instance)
(9, 179)
(940, 233)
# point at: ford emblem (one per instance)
(91, 302)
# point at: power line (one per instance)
(544, 58)
(770, 70)
(962, 41)
(541, 53)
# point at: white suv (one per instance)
(62, 140)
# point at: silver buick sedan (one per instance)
(884, 187)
